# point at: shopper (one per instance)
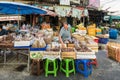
(65, 33)
(2, 31)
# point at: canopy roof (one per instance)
(112, 6)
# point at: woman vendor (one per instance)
(65, 33)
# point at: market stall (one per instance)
(7, 42)
(45, 44)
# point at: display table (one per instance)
(4, 47)
(18, 49)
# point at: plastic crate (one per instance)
(103, 40)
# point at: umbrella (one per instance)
(19, 9)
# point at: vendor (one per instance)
(65, 33)
(2, 31)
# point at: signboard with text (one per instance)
(75, 1)
(9, 18)
(94, 3)
(64, 2)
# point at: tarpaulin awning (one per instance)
(19, 8)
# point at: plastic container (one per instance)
(91, 31)
(103, 40)
(38, 49)
(113, 33)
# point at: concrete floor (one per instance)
(107, 69)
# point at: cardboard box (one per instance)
(21, 43)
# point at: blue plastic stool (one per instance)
(87, 67)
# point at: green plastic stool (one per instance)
(53, 63)
(66, 63)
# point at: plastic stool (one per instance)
(37, 66)
(94, 62)
(67, 69)
(87, 67)
(54, 64)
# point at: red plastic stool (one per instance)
(96, 40)
(94, 62)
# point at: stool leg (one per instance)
(55, 69)
(38, 67)
(32, 67)
(85, 69)
(73, 66)
(76, 66)
(46, 68)
(57, 64)
(90, 68)
(94, 62)
(67, 69)
(60, 66)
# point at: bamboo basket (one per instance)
(51, 54)
(68, 55)
(114, 53)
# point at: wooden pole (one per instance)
(83, 21)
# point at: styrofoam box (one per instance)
(86, 56)
(22, 43)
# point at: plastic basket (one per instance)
(103, 40)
